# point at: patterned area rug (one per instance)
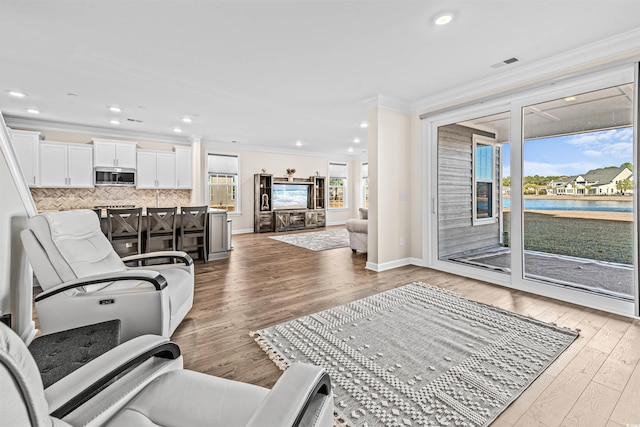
(419, 356)
(318, 240)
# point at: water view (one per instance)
(574, 205)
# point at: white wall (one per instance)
(252, 162)
(16, 287)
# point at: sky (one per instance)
(574, 154)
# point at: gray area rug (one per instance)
(317, 240)
(596, 276)
(419, 356)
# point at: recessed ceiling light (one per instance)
(33, 111)
(115, 109)
(186, 120)
(298, 143)
(364, 124)
(177, 130)
(114, 122)
(356, 140)
(351, 149)
(17, 94)
(570, 98)
(443, 18)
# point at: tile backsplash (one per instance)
(54, 199)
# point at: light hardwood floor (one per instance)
(596, 382)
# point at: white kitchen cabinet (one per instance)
(183, 167)
(110, 153)
(156, 170)
(25, 144)
(66, 165)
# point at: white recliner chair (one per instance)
(84, 281)
(142, 383)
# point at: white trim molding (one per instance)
(388, 265)
(621, 48)
(387, 102)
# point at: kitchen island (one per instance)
(219, 238)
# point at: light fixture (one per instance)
(298, 143)
(350, 149)
(570, 98)
(364, 125)
(114, 122)
(356, 140)
(177, 130)
(33, 111)
(186, 120)
(443, 18)
(17, 94)
(115, 109)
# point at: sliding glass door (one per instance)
(578, 174)
(538, 192)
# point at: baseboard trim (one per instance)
(388, 265)
(417, 262)
(245, 231)
(329, 224)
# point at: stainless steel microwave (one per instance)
(114, 177)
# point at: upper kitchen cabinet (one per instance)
(111, 153)
(66, 165)
(25, 144)
(184, 167)
(156, 169)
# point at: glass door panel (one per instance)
(473, 185)
(578, 175)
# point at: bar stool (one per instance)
(103, 225)
(193, 229)
(161, 227)
(124, 230)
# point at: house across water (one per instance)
(604, 181)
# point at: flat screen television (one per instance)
(290, 196)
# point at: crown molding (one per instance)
(615, 50)
(19, 122)
(387, 102)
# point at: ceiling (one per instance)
(266, 74)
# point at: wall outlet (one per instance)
(6, 319)
(401, 241)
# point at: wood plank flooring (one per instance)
(596, 382)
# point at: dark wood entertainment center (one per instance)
(275, 215)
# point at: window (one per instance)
(337, 185)
(365, 185)
(223, 181)
(483, 177)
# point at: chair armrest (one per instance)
(151, 276)
(293, 395)
(178, 255)
(85, 382)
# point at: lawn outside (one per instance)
(603, 236)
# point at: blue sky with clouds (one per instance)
(574, 154)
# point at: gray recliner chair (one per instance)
(142, 383)
(84, 281)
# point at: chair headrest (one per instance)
(75, 244)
